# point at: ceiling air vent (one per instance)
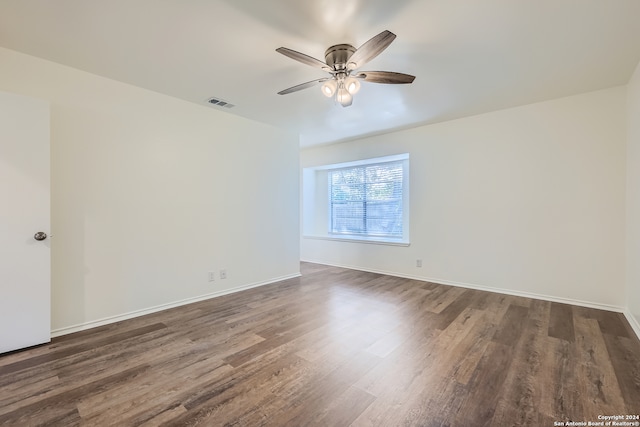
(220, 103)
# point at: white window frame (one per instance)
(316, 204)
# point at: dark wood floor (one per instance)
(335, 347)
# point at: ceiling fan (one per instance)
(342, 60)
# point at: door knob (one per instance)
(40, 235)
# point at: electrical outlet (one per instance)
(418, 263)
(223, 274)
(212, 276)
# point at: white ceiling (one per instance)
(468, 56)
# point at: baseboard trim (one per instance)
(635, 323)
(112, 319)
(543, 297)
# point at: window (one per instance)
(367, 200)
(364, 200)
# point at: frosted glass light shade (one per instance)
(344, 97)
(329, 88)
(352, 84)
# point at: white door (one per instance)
(25, 289)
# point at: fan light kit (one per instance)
(342, 60)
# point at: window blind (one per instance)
(367, 200)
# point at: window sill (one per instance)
(358, 239)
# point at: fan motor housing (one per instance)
(337, 55)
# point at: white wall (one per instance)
(525, 200)
(633, 197)
(149, 193)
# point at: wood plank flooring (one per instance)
(335, 347)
